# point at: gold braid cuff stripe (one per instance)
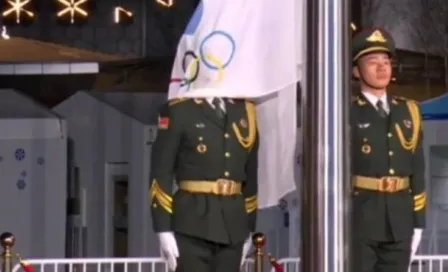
(251, 204)
(419, 202)
(164, 200)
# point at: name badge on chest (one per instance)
(407, 123)
(364, 125)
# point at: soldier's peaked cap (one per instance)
(370, 41)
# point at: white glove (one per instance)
(246, 247)
(416, 239)
(170, 252)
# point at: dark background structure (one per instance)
(147, 47)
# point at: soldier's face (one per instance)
(375, 70)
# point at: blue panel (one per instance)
(436, 106)
(429, 117)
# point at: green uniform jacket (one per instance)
(381, 147)
(194, 144)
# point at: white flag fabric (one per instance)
(277, 123)
(248, 49)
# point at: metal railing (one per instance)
(103, 265)
(422, 263)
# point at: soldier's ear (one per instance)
(355, 72)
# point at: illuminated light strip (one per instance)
(165, 3)
(18, 6)
(73, 8)
(118, 11)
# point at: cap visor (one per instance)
(371, 50)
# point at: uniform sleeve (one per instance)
(418, 183)
(163, 159)
(250, 189)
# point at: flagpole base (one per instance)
(7, 241)
(259, 241)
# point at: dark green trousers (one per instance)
(198, 255)
(387, 256)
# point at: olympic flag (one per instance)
(249, 49)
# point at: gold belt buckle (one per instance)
(389, 184)
(225, 186)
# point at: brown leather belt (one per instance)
(383, 184)
(220, 187)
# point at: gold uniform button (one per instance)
(391, 171)
(391, 153)
(154, 205)
(389, 135)
(227, 154)
(226, 173)
(226, 135)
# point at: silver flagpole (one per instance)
(326, 174)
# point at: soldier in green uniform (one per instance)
(209, 147)
(389, 198)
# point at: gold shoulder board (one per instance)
(177, 101)
(401, 98)
(251, 103)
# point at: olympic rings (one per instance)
(191, 70)
(218, 64)
(190, 67)
(187, 54)
(191, 62)
(206, 59)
